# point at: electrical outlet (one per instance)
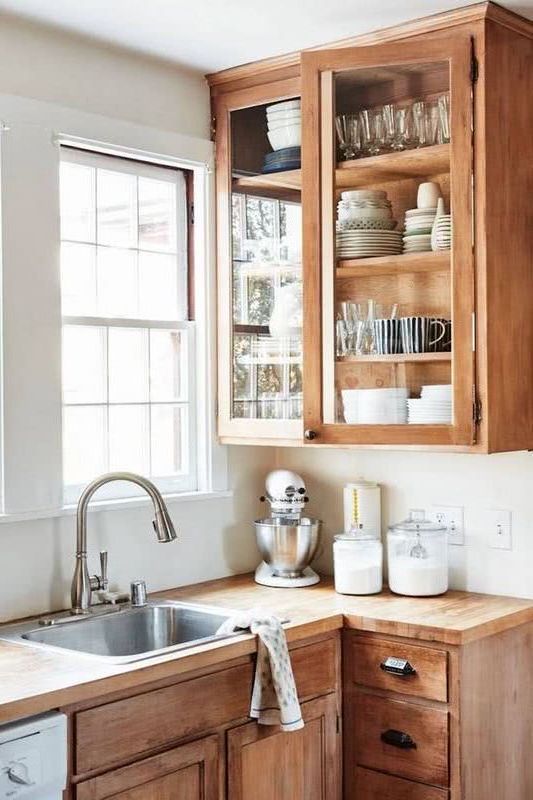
(452, 517)
(499, 521)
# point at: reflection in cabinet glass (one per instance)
(266, 283)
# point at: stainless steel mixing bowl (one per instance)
(287, 546)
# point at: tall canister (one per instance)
(362, 506)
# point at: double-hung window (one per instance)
(128, 344)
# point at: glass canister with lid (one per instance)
(358, 562)
(417, 552)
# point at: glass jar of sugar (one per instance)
(417, 551)
(358, 563)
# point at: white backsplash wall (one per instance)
(418, 480)
(215, 539)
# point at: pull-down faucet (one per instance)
(82, 584)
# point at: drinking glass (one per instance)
(348, 134)
(419, 119)
(444, 114)
(367, 132)
(379, 144)
(404, 128)
(432, 124)
(365, 343)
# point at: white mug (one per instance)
(428, 195)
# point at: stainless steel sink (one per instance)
(126, 634)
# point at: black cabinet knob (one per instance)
(398, 739)
(310, 435)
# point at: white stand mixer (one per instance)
(287, 540)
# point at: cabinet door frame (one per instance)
(317, 148)
(228, 426)
(323, 708)
(205, 752)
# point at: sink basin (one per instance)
(127, 634)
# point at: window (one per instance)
(128, 347)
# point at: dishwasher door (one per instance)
(33, 758)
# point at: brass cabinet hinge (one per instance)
(213, 127)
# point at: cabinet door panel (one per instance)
(265, 763)
(376, 786)
(189, 772)
(394, 363)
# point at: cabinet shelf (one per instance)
(396, 358)
(279, 185)
(393, 265)
(421, 162)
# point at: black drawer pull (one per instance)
(398, 739)
(397, 666)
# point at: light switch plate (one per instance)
(500, 529)
(452, 517)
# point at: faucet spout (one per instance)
(82, 584)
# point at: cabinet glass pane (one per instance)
(390, 299)
(266, 228)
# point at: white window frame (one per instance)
(30, 432)
(188, 481)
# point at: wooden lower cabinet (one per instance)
(188, 772)
(267, 764)
(371, 785)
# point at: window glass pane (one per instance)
(157, 215)
(78, 279)
(128, 439)
(84, 443)
(77, 198)
(168, 353)
(168, 439)
(116, 208)
(84, 364)
(158, 286)
(117, 282)
(128, 365)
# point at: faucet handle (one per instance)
(103, 568)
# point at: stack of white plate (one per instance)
(375, 406)
(433, 407)
(365, 209)
(418, 225)
(364, 243)
(442, 233)
(284, 121)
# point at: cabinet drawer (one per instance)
(378, 720)
(376, 786)
(117, 731)
(430, 679)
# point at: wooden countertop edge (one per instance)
(138, 674)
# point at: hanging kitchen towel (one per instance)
(274, 697)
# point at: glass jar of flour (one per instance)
(358, 563)
(417, 552)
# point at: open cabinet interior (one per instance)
(390, 292)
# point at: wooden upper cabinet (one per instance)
(381, 313)
(471, 303)
(265, 763)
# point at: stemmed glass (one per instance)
(444, 114)
(348, 134)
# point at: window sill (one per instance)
(114, 505)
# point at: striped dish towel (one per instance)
(274, 697)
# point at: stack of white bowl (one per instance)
(441, 237)
(419, 221)
(365, 226)
(433, 407)
(375, 406)
(284, 121)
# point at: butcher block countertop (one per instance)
(34, 680)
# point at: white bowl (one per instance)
(289, 123)
(364, 194)
(293, 113)
(348, 214)
(286, 105)
(290, 136)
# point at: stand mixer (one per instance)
(287, 540)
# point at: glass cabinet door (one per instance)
(389, 244)
(260, 268)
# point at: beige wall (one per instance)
(45, 64)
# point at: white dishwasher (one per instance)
(33, 758)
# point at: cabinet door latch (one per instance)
(476, 410)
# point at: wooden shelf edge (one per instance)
(398, 358)
(429, 261)
(421, 161)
